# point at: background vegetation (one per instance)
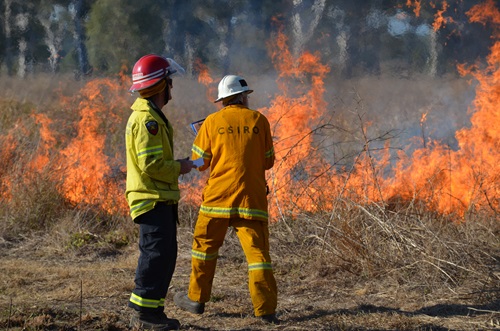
(96, 37)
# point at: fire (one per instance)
(439, 19)
(79, 165)
(47, 140)
(435, 176)
(423, 119)
(468, 179)
(87, 165)
(292, 115)
(84, 165)
(204, 74)
(205, 78)
(447, 181)
(7, 153)
(417, 4)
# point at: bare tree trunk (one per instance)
(8, 37)
(343, 55)
(228, 41)
(189, 55)
(53, 42)
(21, 60)
(79, 37)
(22, 21)
(301, 37)
(433, 54)
(179, 42)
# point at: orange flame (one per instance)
(456, 182)
(423, 119)
(442, 180)
(85, 167)
(439, 19)
(292, 114)
(466, 180)
(205, 78)
(7, 152)
(417, 4)
(48, 140)
(80, 166)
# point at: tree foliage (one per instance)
(233, 35)
(120, 31)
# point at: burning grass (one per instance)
(346, 264)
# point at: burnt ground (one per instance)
(46, 287)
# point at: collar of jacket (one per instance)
(142, 104)
(158, 111)
(236, 105)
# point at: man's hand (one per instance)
(186, 165)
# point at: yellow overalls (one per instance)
(236, 145)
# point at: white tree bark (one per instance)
(75, 9)
(433, 54)
(21, 60)
(302, 34)
(8, 35)
(53, 39)
(22, 21)
(189, 55)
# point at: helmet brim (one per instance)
(230, 95)
(152, 82)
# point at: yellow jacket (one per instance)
(152, 173)
(236, 144)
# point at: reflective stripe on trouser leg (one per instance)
(254, 239)
(208, 237)
(158, 254)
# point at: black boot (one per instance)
(153, 320)
(270, 319)
(182, 301)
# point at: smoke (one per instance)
(399, 24)
(392, 62)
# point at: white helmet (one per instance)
(232, 85)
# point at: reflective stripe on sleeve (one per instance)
(270, 152)
(200, 152)
(143, 205)
(154, 150)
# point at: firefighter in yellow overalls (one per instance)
(236, 144)
(152, 190)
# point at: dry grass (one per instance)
(392, 266)
(438, 276)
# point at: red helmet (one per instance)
(149, 70)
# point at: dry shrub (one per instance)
(34, 128)
(30, 199)
(406, 246)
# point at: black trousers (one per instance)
(158, 255)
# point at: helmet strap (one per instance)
(167, 93)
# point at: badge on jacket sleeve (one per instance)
(152, 127)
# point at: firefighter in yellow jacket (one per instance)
(236, 144)
(152, 190)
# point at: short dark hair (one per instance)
(233, 99)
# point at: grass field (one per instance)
(349, 251)
(435, 276)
